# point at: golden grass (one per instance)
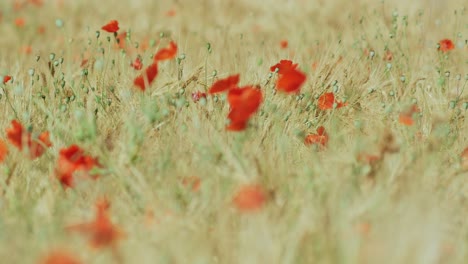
(325, 206)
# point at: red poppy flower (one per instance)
(446, 45)
(321, 138)
(250, 198)
(101, 231)
(284, 44)
(16, 134)
(37, 3)
(6, 79)
(20, 22)
(167, 53)
(244, 103)
(327, 101)
(283, 66)
(406, 118)
(27, 49)
(38, 147)
(224, 84)
(464, 159)
(60, 257)
(290, 79)
(171, 13)
(150, 74)
(137, 64)
(3, 150)
(111, 27)
(73, 160)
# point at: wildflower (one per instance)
(446, 45)
(283, 66)
(19, 137)
(327, 101)
(20, 22)
(27, 49)
(59, 257)
(171, 13)
(101, 231)
(224, 84)
(73, 160)
(147, 78)
(284, 44)
(321, 138)
(290, 79)
(111, 27)
(16, 134)
(464, 159)
(137, 64)
(250, 198)
(6, 79)
(3, 150)
(244, 102)
(167, 53)
(38, 147)
(406, 118)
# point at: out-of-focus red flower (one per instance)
(224, 84)
(244, 102)
(320, 138)
(20, 22)
(446, 45)
(6, 79)
(406, 118)
(464, 159)
(38, 146)
(60, 257)
(111, 27)
(171, 13)
(3, 150)
(101, 231)
(284, 44)
(250, 198)
(17, 135)
(137, 64)
(73, 160)
(327, 101)
(283, 66)
(290, 79)
(150, 74)
(167, 53)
